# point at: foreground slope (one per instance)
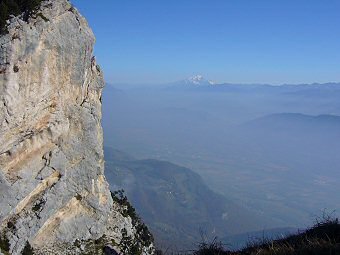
(322, 239)
(53, 192)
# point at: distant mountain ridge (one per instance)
(199, 83)
(202, 85)
(294, 121)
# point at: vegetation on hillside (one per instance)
(321, 239)
(4, 244)
(16, 7)
(143, 238)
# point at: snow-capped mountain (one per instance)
(192, 83)
(198, 80)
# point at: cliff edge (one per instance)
(53, 193)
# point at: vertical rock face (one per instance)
(53, 193)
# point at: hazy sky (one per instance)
(270, 41)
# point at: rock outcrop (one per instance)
(53, 193)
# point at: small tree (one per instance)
(28, 250)
(3, 16)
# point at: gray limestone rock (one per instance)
(53, 192)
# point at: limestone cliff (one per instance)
(53, 192)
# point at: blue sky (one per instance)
(243, 41)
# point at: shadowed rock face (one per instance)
(53, 192)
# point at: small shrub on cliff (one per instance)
(213, 248)
(4, 244)
(16, 7)
(129, 246)
(128, 210)
(143, 236)
(28, 250)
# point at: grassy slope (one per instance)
(322, 239)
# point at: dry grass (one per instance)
(321, 239)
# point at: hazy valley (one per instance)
(178, 206)
(271, 150)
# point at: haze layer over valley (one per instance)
(270, 149)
